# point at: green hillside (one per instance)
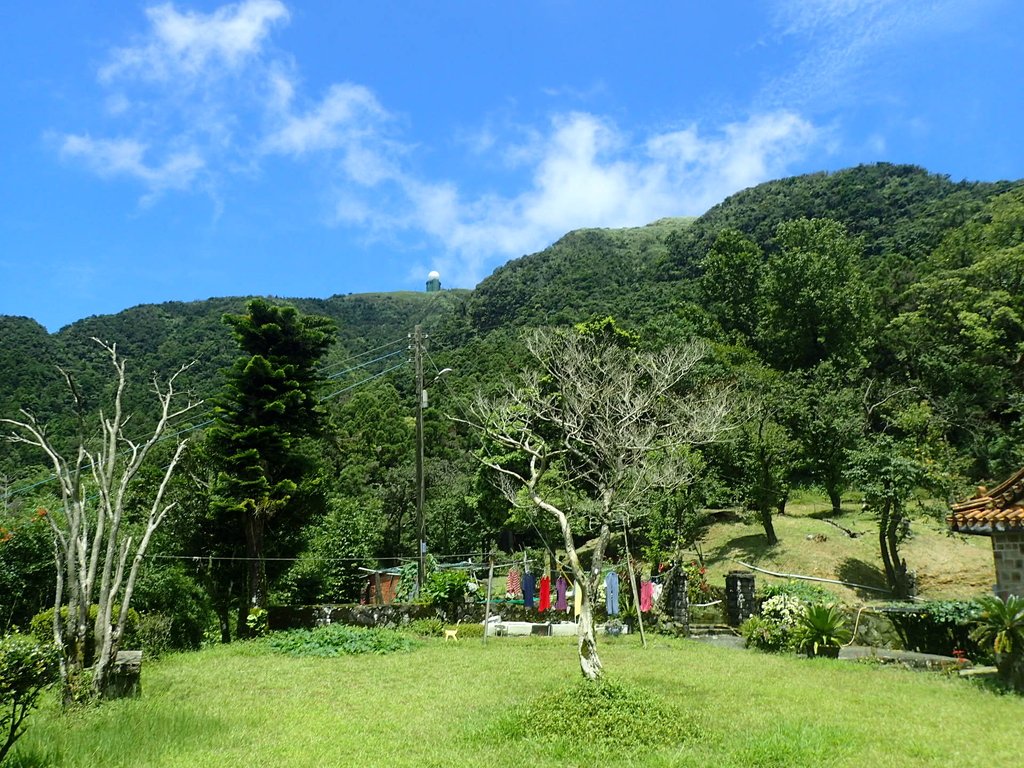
(864, 324)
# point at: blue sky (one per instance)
(176, 151)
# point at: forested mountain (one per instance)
(870, 322)
(589, 272)
(159, 338)
(899, 211)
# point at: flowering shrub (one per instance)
(784, 609)
(774, 629)
(698, 590)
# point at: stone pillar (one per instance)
(739, 597)
(679, 603)
(1008, 552)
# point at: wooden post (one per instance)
(632, 584)
(487, 603)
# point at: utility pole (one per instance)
(421, 525)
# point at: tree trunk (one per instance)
(590, 662)
(766, 522)
(884, 516)
(835, 499)
(901, 584)
(224, 621)
(780, 506)
(254, 527)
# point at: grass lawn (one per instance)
(448, 705)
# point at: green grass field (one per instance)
(449, 704)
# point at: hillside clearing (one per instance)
(949, 566)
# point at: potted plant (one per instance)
(629, 618)
(1001, 627)
(822, 630)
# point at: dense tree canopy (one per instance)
(818, 297)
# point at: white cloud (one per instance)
(191, 43)
(347, 112)
(189, 90)
(205, 96)
(587, 173)
(126, 157)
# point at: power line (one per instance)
(363, 381)
(349, 359)
(339, 374)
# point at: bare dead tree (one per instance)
(609, 422)
(97, 552)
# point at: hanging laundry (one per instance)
(577, 599)
(561, 585)
(514, 584)
(529, 582)
(656, 592)
(646, 596)
(611, 593)
(545, 594)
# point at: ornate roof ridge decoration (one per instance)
(997, 511)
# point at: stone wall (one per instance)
(397, 614)
(1008, 551)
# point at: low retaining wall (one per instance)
(397, 614)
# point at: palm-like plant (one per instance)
(822, 627)
(1001, 627)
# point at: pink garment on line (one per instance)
(646, 596)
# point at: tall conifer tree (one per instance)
(268, 405)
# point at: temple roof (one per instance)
(996, 511)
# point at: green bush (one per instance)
(26, 668)
(698, 590)
(256, 620)
(352, 526)
(337, 640)
(171, 592)
(27, 570)
(446, 590)
(601, 714)
(445, 587)
(938, 626)
(808, 593)
(432, 627)
(41, 628)
(774, 629)
(467, 631)
(155, 633)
